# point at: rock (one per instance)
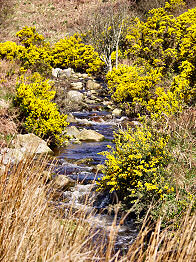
(90, 135)
(12, 156)
(84, 161)
(56, 72)
(65, 73)
(90, 101)
(77, 85)
(75, 96)
(107, 103)
(117, 112)
(4, 104)
(84, 75)
(93, 92)
(72, 131)
(80, 75)
(136, 123)
(91, 85)
(71, 119)
(63, 182)
(31, 143)
(59, 73)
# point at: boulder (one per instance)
(90, 135)
(77, 85)
(65, 73)
(30, 143)
(63, 182)
(91, 85)
(117, 112)
(56, 72)
(71, 118)
(80, 75)
(75, 96)
(72, 131)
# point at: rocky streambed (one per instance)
(93, 119)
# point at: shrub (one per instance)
(10, 50)
(28, 36)
(133, 84)
(38, 59)
(37, 53)
(72, 52)
(148, 168)
(157, 39)
(34, 55)
(41, 115)
(135, 168)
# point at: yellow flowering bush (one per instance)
(28, 36)
(37, 58)
(135, 168)
(34, 55)
(10, 50)
(157, 39)
(37, 53)
(164, 45)
(164, 40)
(72, 52)
(42, 117)
(133, 84)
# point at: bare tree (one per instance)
(105, 30)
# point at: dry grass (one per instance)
(166, 245)
(33, 229)
(53, 18)
(29, 227)
(182, 128)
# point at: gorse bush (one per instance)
(141, 168)
(135, 167)
(164, 40)
(38, 55)
(133, 84)
(28, 37)
(10, 50)
(33, 96)
(72, 52)
(140, 88)
(162, 47)
(157, 40)
(34, 53)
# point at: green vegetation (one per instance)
(72, 52)
(41, 115)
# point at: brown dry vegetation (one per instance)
(31, 227)
(52, 18)
(36, 230)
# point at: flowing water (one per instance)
(79, 161)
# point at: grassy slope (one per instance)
(52, 18)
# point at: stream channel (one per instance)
(79, 161)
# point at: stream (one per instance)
(79, 161)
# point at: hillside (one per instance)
(79, 77)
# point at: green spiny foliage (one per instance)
(33, 96)
(72, 52)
